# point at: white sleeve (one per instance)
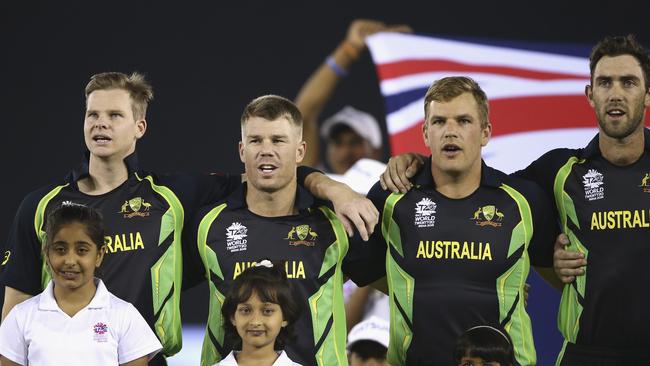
(136, 338)
(12, 337)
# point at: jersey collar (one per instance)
(593, 149)
(100, 300)
(237, 199)
(489, 176)
(81, 171)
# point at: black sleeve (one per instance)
(193, 268)
(543, 170)
(545, 230)
(366, 261)
(22, 261)
(303, 171)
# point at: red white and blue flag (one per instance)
(536, 92)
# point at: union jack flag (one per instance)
(536, 92)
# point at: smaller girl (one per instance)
(259, 312)
(484, 346)
(75, 320)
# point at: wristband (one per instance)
(338, 70)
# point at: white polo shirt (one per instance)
(282, 360)
(108, 331)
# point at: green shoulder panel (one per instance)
(510, 285)
(39, 220)
(214, 331)
(327, 302)
(166, 273)
(570, 308)
(401, 286)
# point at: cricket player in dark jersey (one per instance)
(270, 217)
(600, 194)
(458, 247)
(144, 213)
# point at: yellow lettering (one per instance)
(645, 222)
(421, 252)
(108, 241)
(118, 244)
(465, 254)
(474, 256)
(138, 241)
(487, 253)
(627, 222)
(455, 246)
(438, 247)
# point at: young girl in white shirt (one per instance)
(75, 320)
(259, 312)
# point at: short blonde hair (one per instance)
(448, 88)
(139, 89)
(272, 107)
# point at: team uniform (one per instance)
(313, 243)
(604, 210)
(282, 360)
(144, 218)
(108, 331)
(452, 264)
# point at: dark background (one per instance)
(206, 60)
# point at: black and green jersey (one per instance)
(452, 264)
(144, 218)
(313, 244)
(605, 211)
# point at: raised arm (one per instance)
(320, 86)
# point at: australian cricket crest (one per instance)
(136, 206)
(593, 183)
(236, 237)
(488, 215)
(302, 235)
(424, 213)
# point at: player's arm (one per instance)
(399, 170)
(365, 262)
(320, 86)
(354, 210)
(13, 297)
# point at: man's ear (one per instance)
(141, 128)
(300, 151)
(590, 95)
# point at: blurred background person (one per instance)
(368, 343)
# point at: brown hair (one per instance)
(617, 46)
(448, 88)
(139, 89)
(271, 285)
(272, 107)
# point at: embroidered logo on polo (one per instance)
(101, 332)
(136, 206)
(236, 237)
(302, 235)
(424, 213)
(488, 215)
(593, 182)
(644, 183)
